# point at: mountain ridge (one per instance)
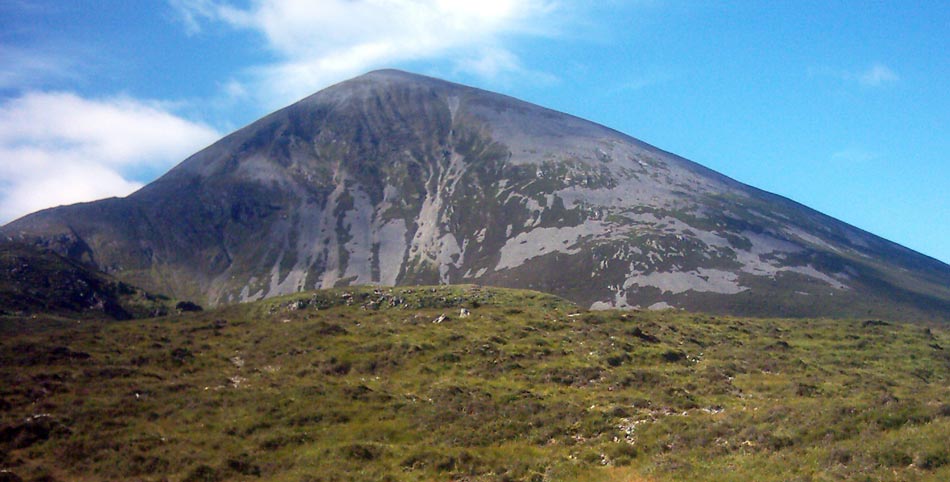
(394, 178)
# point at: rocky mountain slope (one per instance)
(36, 281)
(394, 179)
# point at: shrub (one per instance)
(203, 473)
(933, 459)
(893, 457)
(621, 453)
(187, 306)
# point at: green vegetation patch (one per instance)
(471, 383)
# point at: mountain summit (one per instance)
(393, 178)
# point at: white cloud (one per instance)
(30, 66)
(877, 75)
(192, 11)
(58, 148)
(491, 63)
(320, 42)
(640, 82)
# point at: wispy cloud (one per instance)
(22, 66)
(59, 148)
(640, 82)
(192, 11)
(320, 42)
(876, 75)
(854, 155)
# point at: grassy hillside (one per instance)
(37, 281)
(361, 384)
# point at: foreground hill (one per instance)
(397, 179)
(37, 281)
(468, 383)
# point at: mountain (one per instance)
(36, 281)
(393, 178)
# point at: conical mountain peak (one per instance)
(395, 75)
(396, 178)
(382, 83)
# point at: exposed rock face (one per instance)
(394, 178)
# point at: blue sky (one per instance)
(842, 106)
